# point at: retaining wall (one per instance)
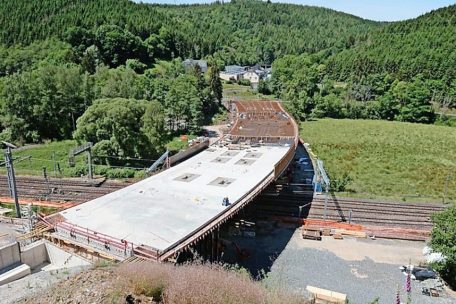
(35, 254)
(9, 255)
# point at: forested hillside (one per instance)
(405, 71)
(64, 64)
(243, 32)
(425, 45)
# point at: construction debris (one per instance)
(326, 296)
(311, 233)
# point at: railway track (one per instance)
(75, 182)
(353, 202)
(59, 190)
(368, 212)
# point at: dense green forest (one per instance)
(424, 45)
(243, 32)
(64, 63)
(405, 71)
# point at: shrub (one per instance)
(340, 183)
(140, 174)
(147, 279)
(76, 171)
(244, 82)
(120, 173)
(443, 240)
(100, 170)
(197, 283)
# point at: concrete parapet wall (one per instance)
(94, 240)
(9, 255)
(183, 155)
(35, 254)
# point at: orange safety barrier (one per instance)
(39, 203)
(333, 224)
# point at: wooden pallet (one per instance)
(311, 234)
(133, 259)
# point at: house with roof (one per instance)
(252, 76)
(232, 73)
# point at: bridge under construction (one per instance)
(165, 214)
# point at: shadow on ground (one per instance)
(258, 253)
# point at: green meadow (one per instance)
(383, 159)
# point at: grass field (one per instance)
(30, 160)
(239, 92)
(394, 160)
(44, 155)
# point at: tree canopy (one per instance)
(443, 240)
(59, 56)
(123, 127)
(243, 32)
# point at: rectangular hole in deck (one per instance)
(222, 181)
(187, 177)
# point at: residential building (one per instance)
(252, 76)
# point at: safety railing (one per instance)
(96, 240)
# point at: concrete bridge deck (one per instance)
(171, 210)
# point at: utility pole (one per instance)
(46, 179)
(445, 191)
(327, 182)
(78, 150)
(11, 175)
(55, 164)
(89, 161)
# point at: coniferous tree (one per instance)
(215, 83)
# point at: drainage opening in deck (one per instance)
(253, 155)
(221, 160)
(187, 177)
(245, 162)
(230, 153)
(222, 181)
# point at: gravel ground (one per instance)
(363, 280)
(36, 283)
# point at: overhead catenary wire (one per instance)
(105, 156)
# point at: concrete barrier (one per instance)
(9, 255)
(14, 274)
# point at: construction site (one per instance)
(218, 203)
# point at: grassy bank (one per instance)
(37, 209)
(240, 92)
(387, 159)
(163, 283)
(30, 160)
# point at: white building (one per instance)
(231, 76)
(252, 76)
